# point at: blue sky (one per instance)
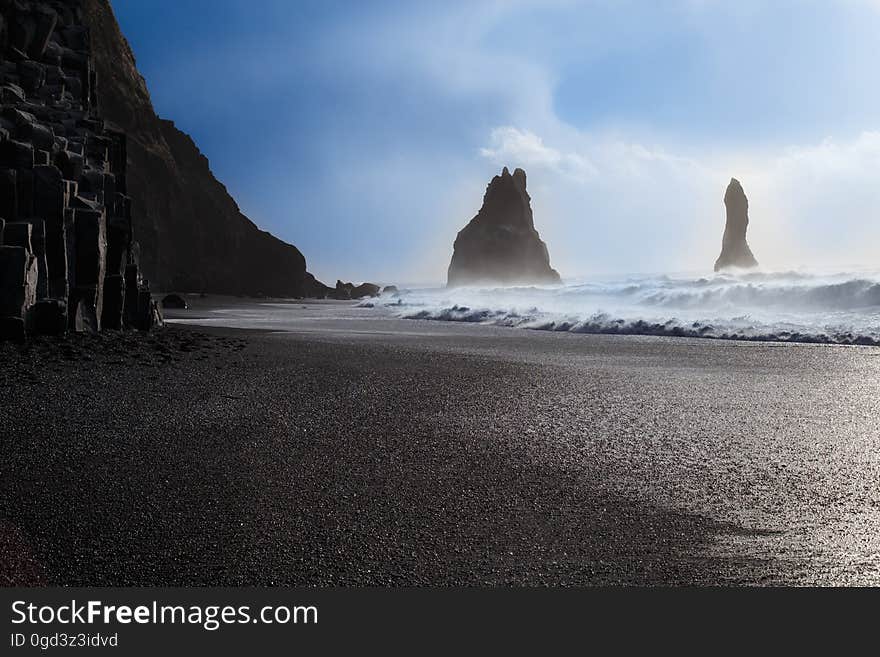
(365, 132)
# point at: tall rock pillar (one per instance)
(735, 251)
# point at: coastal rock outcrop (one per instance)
(193, 235)
(174, 301)
(66, 223)
(735, 251)
(500, 244)
(345, 291)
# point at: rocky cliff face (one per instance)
(735, 251)
(67, 254)
(500, 245)
(193, 235)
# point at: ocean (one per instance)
(794, 306)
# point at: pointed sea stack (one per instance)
(500, 245)
(735, 251)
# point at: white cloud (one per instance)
(521, 148)
(822, 201)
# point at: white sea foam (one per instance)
(841, 307)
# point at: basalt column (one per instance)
(65, 216)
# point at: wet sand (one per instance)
(355, 450)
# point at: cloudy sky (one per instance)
(365, 133)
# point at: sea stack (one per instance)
(500, 245)
(735, 251)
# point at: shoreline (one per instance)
(246, 313)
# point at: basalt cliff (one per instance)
(68, 254)
(500, 244)
(99, 197)
(192, 234)
(735, 251)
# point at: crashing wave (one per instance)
(841, 308)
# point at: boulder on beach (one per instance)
(346, 291)
(500, 244)
(735, 251)
(174, 301)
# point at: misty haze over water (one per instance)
(800, 306)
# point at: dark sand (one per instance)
(395, 452)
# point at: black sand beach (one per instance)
(393, 452)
